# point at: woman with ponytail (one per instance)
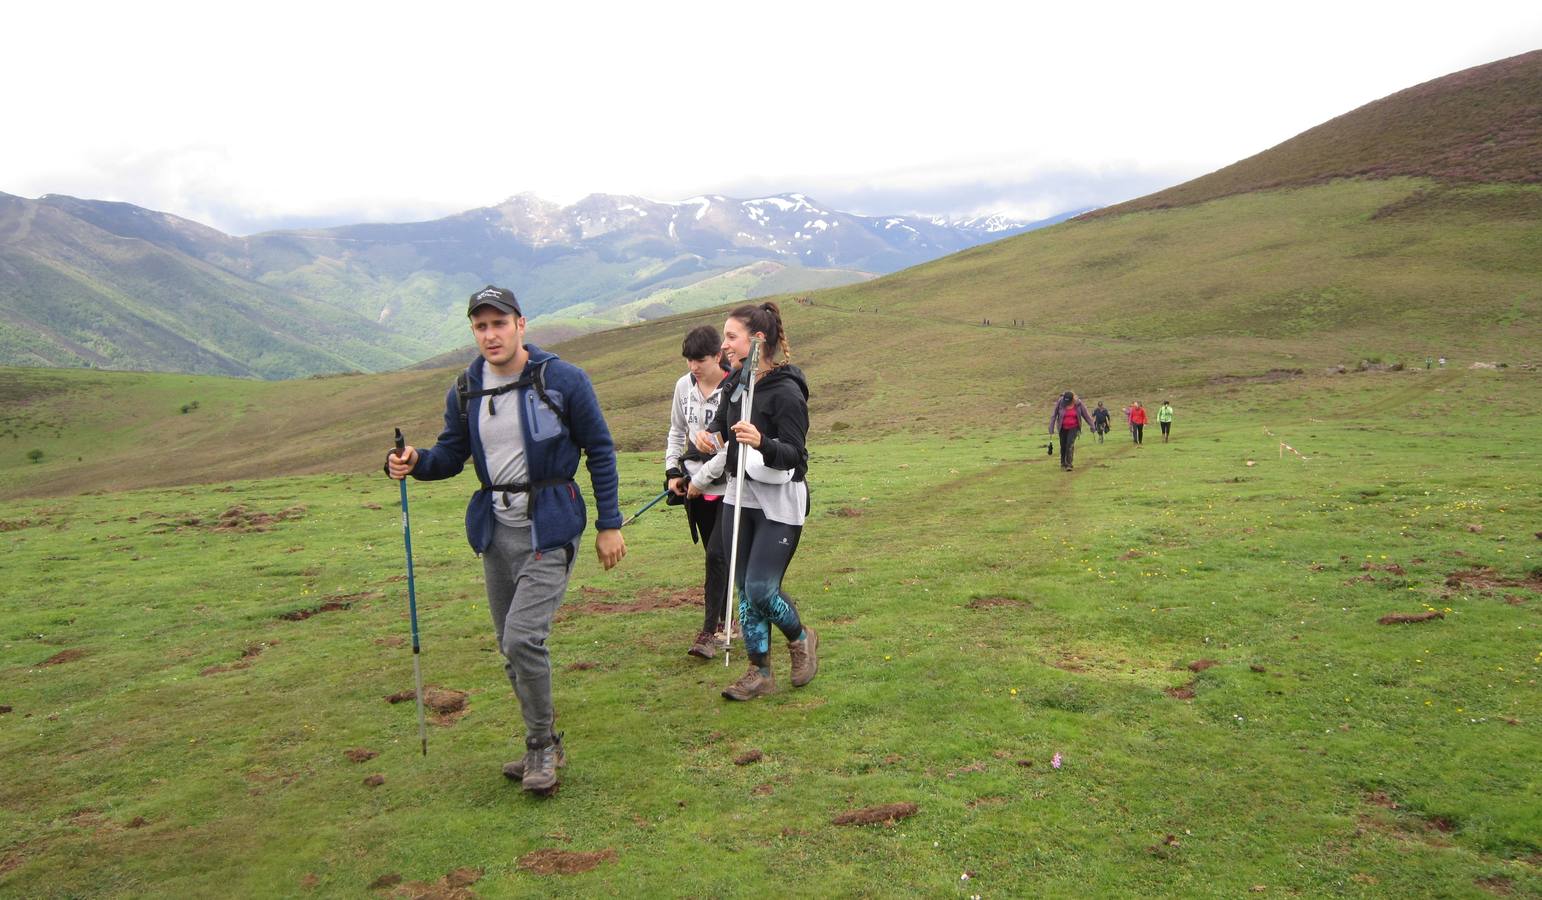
(774, 503)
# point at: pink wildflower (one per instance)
(1055, 760)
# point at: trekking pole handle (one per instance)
(401, 443)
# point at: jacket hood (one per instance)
(784, 373)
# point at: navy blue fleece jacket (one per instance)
(552, 448)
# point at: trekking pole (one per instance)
(747, 388)
(633, 517)
(412, 602)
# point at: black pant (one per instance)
(718, 547)
(705, 514)
(765, 550)
(1166, 427)
(1067, 446)
(1140, 432)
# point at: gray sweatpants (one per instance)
(523, 593)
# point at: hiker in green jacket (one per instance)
(1165, 419)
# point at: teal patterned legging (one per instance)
(765, 550)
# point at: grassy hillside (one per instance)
(74, 294)
(1480, 125)
(1147, 306)
(1190, 630)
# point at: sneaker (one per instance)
(516, 769)
(805, 657)
(705, 646)
(750, 685)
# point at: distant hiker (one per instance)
(1069, 416)
(1428, 362)
(1100, 421)
(697, 477)
(775, 501)
(1442, 362)
(1138, 422)
(522, 416)
(1165, 419)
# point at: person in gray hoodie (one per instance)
(697, 478)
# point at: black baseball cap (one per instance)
(501, 299)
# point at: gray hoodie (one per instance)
(689, 413)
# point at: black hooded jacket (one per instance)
(780, 413)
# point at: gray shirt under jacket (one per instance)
(504, 446)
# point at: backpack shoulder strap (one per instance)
(539, 382)
(463, 394)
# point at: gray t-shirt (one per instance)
(503, 445)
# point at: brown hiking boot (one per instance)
(705, 646)
(750, 685)
(541, 761)
(805, 657)
(516, 770)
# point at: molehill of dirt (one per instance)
(360, 754)
(248, 656)
(447, 706)
(749, 756)
(374, 780)
(1181, 692)
(888, 814)
(1270, 376)
(332, 603)
(646, 600)
(455, 885)
(236, 519)
(551, 861)
(1200, 665)
(993, 602)
(1484, 578)
(245, 521)
(1409, 618)
(63, 656)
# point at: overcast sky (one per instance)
(248, 116)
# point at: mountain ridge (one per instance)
(370, 296)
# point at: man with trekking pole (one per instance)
(523, 417)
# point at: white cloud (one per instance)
(261, 112)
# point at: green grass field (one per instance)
(168, 732)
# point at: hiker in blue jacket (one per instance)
(522, 416)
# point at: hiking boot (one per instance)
(517, 769)
(805, 657)
(705, 646)
(750, 685)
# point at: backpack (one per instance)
(464, 393)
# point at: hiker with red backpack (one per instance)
(1069, 415)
